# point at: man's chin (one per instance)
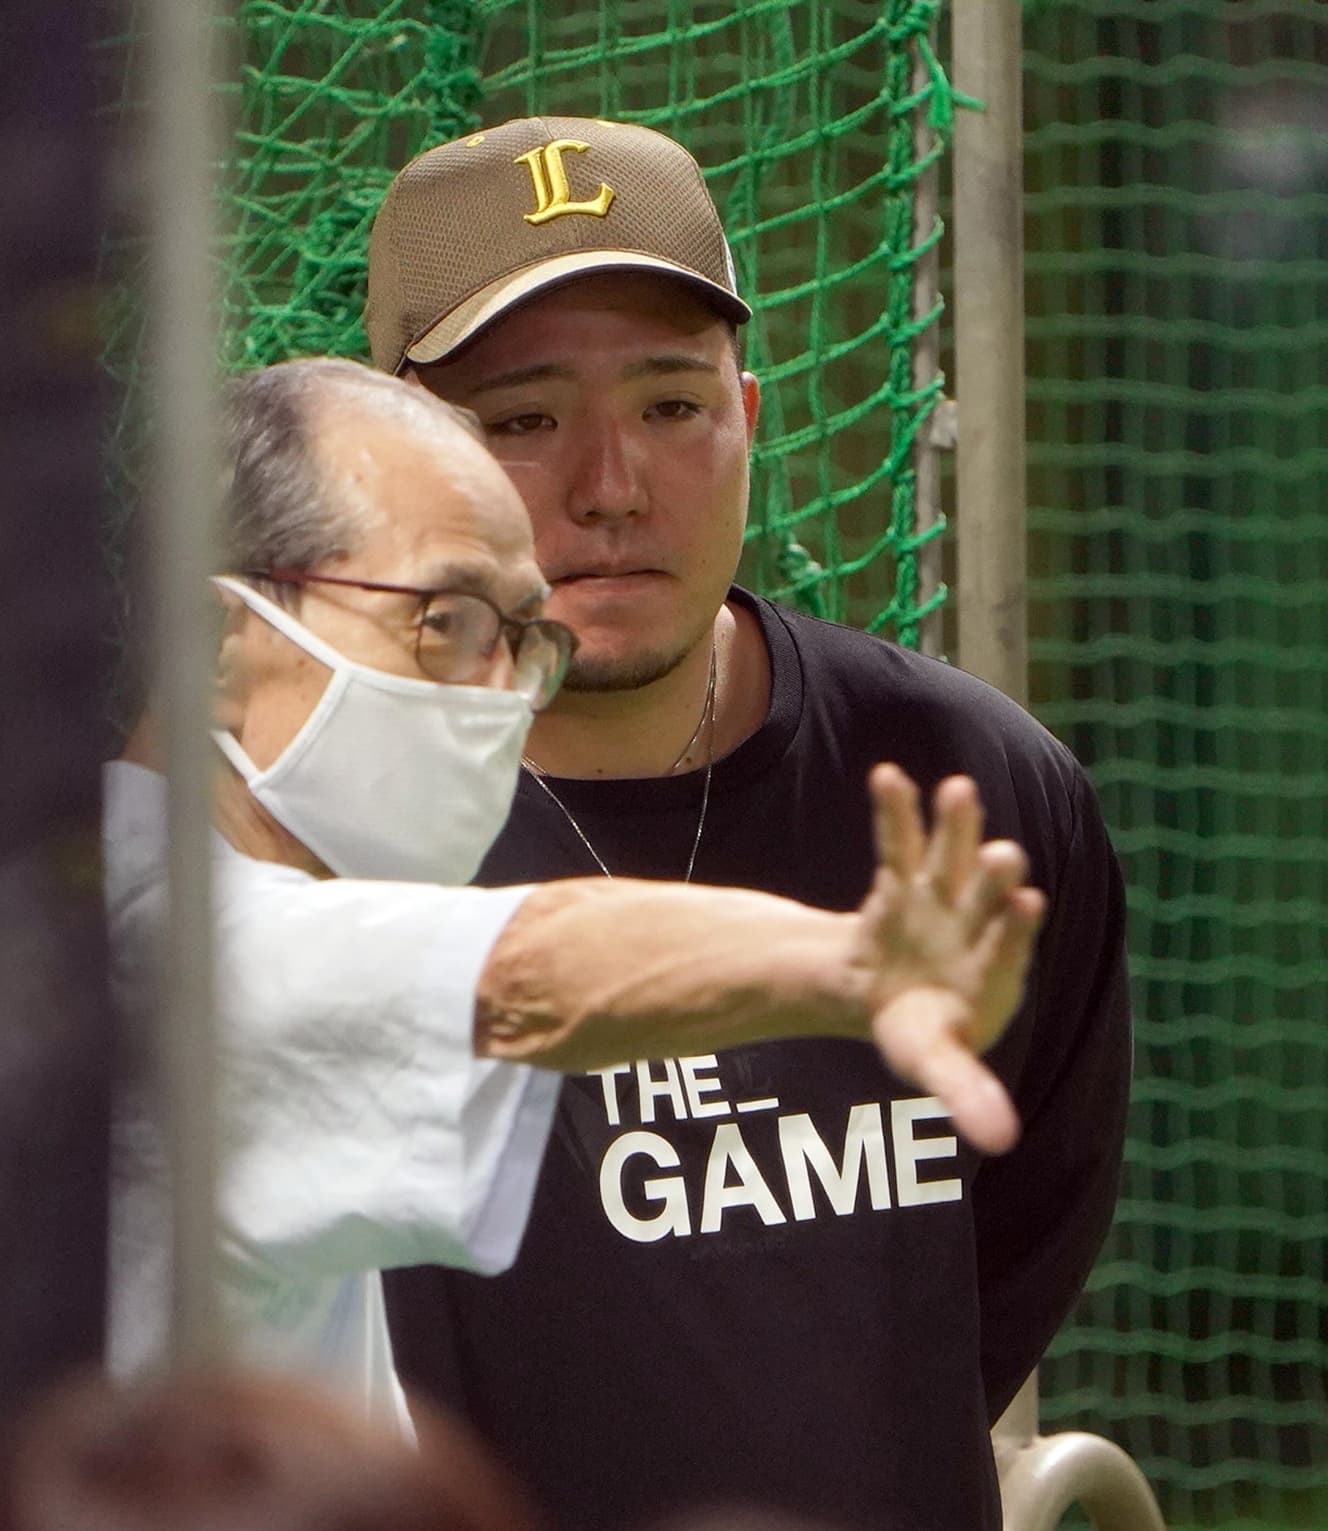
(589, 672)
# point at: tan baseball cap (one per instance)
(473, 227)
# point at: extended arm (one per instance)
(361, 1129)
(591, 973)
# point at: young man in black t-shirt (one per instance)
(774, 1276)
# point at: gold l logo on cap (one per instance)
(552, 193)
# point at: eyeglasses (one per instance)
(456, 634)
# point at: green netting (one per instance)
(1178, 318)
(805, 116)
(331, 100)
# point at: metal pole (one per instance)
(182, 160)
(987, 62)
(926, 367)
(989, 345)
(1050, 1475)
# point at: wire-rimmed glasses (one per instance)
(456, 633)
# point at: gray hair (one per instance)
(283, 509)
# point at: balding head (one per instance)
(287, 505)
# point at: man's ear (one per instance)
(230, 692)
(751, 403)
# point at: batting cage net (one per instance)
(1177, 184)
(1178, 313)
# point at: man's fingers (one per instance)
(955, 837)
(1007, 942)
(921, 1038)
(980, 920)
(978, 1103)
(1020, 923)
(900, 838)
(1001, 867)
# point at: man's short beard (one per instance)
(587, 674)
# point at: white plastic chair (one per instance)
(1043, 1476)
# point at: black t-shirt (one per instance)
(775, 1277)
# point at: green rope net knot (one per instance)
(802, 576)
(913, 31)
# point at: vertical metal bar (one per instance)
(182, 159)
(989, 344)
(987, 62)
(926, 366)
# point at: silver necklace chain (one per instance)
(707, 724)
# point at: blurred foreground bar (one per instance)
(55, 1024)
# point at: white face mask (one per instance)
(390, 777)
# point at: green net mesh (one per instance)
(331, 100)
(806, 116)
(1178, 318)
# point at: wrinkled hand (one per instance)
(944, 939)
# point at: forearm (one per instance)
(592, 973)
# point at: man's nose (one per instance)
(607, 484)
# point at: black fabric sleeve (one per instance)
(1042, 1211)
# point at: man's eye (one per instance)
(451, 617)
(674, 409)
(521, 425)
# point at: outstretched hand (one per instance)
(944, 938)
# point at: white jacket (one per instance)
(357, 1128)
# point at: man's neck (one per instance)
(236, 814)
(643, 732)
(242, 820)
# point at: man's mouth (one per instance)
(606, 573)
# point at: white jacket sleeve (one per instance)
(358, 1128)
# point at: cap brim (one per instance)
(467, 319)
